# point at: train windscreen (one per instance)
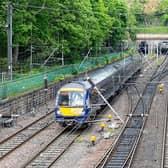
(71, 98)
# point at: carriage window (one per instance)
(72, 98)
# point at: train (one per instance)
(143, 47)
(163, 47)
(77, 102)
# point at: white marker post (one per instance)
(9, 116)
(112, 109)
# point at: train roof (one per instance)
(100, 74)
(73, 86)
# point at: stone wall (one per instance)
(26, 103)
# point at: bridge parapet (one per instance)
(159, 37)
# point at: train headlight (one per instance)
(83, 112)
(58, 112)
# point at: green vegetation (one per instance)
(149, 16)
(162, 8)
(70, 27)
(150, 57)
(32, 82)
(159, 62)
(152, 29)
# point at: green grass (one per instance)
(152, 29)
(150, 57)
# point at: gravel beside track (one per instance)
(25, 153)
(24, 120)
(164, 158)
(53, 150)
(149, 151)
(19, 138)
(122, 153)
(81, 154)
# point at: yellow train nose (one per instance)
(67, 111)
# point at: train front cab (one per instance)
(72, 105)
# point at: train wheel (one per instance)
(63, 124)
(85, 125)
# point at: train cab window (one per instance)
(63, 99)
(77, 99)
(71, 98)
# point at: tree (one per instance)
(3, 30)
(137, 9)
(117, 10)
(163, 8)
(74, 25)
(104, 23)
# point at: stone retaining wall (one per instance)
(26, 103)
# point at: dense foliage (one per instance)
(70, 27)
(163, 9)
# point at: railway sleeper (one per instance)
(121, 153)
(116, 162)
(115, 165)
(117, 158)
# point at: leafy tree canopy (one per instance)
(75, 25)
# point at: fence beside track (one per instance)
(30, 82)
(29, 101)
(26, 103)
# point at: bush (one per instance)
(75, 71)
(59, 78)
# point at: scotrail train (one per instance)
(74, 101)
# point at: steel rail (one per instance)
(128, 139)
(130, 159)
(48, 155)
(164, 157)
(160, 76)
(132, 152)
(19, 138)
(103, 160)
(32, 162)
(54, 152)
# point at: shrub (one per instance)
(75, 71)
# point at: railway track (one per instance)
(47, 156)
(122, 152)
(17, 139)
(164, 161)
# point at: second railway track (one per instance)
(121, 154)
(53, 150)
(48, 156)
(164, 160)
(17, 139)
